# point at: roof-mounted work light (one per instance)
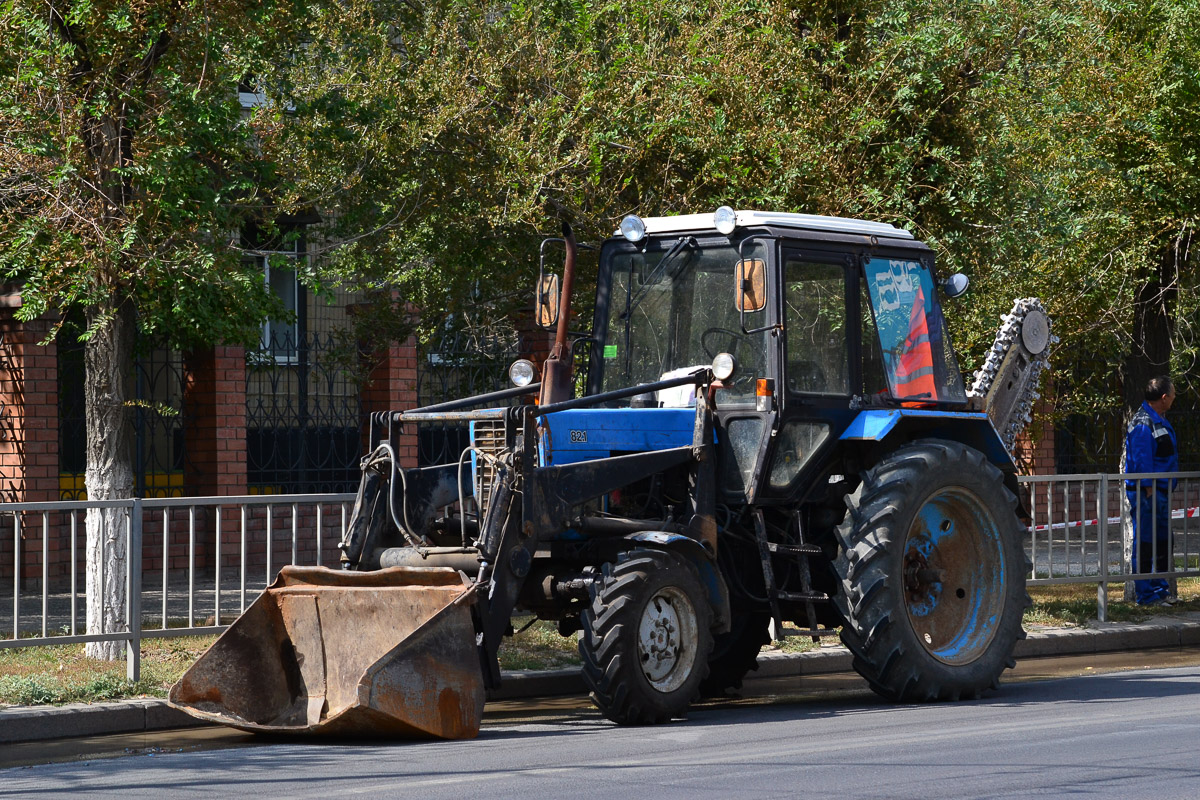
(725, 220)
(633, 229)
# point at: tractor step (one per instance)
(794, 549)
(799, 553)
(814, 632)
(801, 597)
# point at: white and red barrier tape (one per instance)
(1179, 513)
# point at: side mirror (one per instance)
(546, 304)
(750, 289)
(955, 285)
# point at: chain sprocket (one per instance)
(1008, 380)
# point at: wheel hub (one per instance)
(666, 636)
(658, 642)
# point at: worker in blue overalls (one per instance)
(1151, 446)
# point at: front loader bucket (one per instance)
(384, 653)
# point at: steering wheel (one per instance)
(735, 339)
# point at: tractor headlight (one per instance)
(723, 366)
(522, 372)
(633, 229)
(725, 218)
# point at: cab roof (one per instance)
(782, 219)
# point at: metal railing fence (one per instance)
(1081, 529)
(201, 560)
(192, 556)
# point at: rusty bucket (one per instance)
(384, 653)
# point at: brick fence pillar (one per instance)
(29, 457)
(392, 386)
(214, 402)
(215, 433)
(28, 411)
(533, 343)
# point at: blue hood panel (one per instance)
(589, 433)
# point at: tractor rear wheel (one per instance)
(735, 652)
(932, 574)
(646, 638)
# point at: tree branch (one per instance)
(73, 37)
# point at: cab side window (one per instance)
(874, 371)
(815, 315)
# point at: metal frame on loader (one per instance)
(820, 468)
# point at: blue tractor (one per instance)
(773, 438)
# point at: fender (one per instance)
(696, 555)
(972, 428)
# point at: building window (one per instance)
(277, 260)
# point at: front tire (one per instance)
(646, 638)
(932, 574)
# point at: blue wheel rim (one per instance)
(954, 576)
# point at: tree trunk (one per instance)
(108, 358)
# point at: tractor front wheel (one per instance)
(646, 638)
(932, 574)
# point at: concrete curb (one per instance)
(39, 723)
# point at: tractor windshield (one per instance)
(671, 309)
(917, 355)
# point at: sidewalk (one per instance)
(36, 723)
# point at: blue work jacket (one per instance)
(1151, 446)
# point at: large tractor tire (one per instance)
(932, 574)
(646, 638)
(735, 652)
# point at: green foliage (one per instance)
(1106, 169)
(62, 674)
(29, 690)
(1043, 148)
(129, 163)
(474, 126)
(977, 125)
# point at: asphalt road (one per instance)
(1120, 734)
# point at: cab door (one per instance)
(745, 421)
(822, 365)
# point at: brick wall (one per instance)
(1034, 448)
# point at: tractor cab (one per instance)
(822, 317)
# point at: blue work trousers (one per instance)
(1151, 542)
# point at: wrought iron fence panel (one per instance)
(159, 421)
(303, 412)
(72, 418)
(1091, 415)
(157, 414)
